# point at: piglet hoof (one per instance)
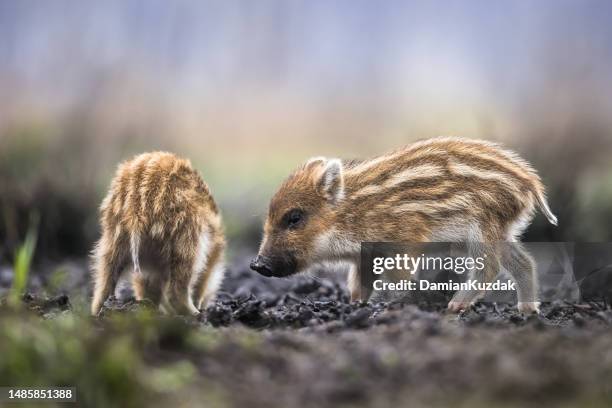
(529, 307)
(457, 307)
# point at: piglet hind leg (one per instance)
(208, 280)
(521, 267)
(109, 260)
(463, 299)
(178, 288)
(147, 287)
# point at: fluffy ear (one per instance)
(330, 181)
(315, 161)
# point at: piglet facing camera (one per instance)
(160, 220)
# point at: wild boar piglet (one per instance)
(437, 190)
(160, 220)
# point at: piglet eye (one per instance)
(294, 217)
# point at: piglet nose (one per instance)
(258, 264)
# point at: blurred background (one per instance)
(247, 90)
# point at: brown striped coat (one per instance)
(442, 189)
(160, 219)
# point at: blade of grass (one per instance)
(23, 262)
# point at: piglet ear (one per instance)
(315, 162)
(329, 178)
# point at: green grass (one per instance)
(22, 263)
(127, 360)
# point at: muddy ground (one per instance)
(300, 342)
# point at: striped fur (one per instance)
(160, 218)
(442, 189)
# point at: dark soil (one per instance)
(300, 342)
